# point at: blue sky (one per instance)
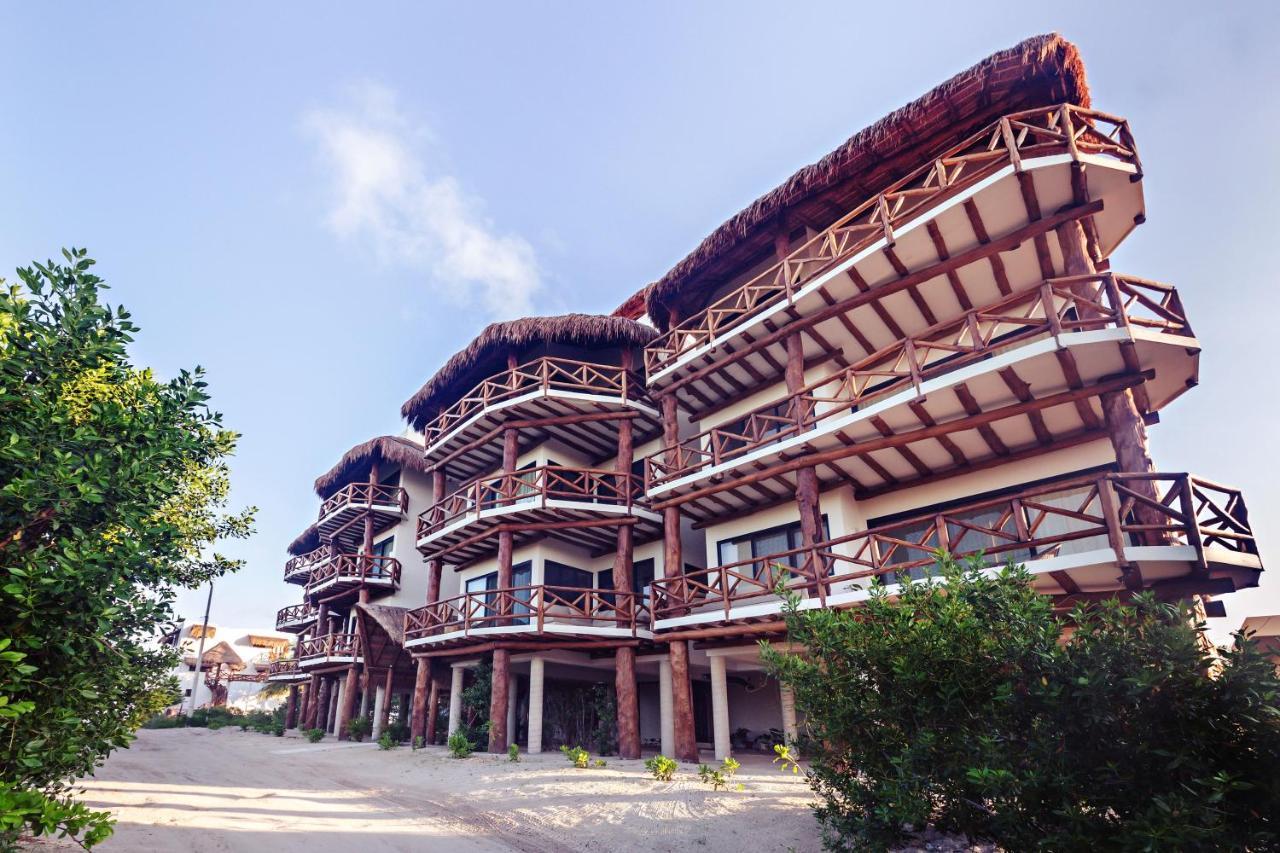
(320, 202)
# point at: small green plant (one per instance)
(386, 741)
(662, 768)
(315, 735)
(214, 725)
(358, 727)
(599, 762)
(513, 752)
(784, 756)
(459, 746)
(418, 742)
(718, 778)
(277, 729)
(577, 756)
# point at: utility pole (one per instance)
(204, 632)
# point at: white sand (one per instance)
(200, 790)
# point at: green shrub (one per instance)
(315, 735)
(718, 778)
(386, 741)
(399, 732)
(513, 752)
(164, 721)
(662, 768)
(214, 725)
(358, 727)
(599, 762)
(277, 729)
(957, 705)
(418, 742)
(577, 756)
(459, 746)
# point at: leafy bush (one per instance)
(399, 732)
(386, 741)
(459, 745)
(956, 705)
(358, 727)
(577, 756)
(315, 735)
(513, 751)
(114, 489)
(662, 768)
(418, 742)
(277, 729)
(214, 725)
(166, 721)
(599, 762)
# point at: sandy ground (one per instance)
(199, 790)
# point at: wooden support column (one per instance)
(435, 567)
(348, 709)
(418, 720)
(686, 744)
(501, 657)
(291, 708)
(388, 686)
(312, 703)
(455, 698)
(807, 497)
(322, 703)
(623, 581)
(433, 710)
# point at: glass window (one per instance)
(558, 574)
(765, 542)
(385, 548)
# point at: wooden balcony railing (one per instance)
(295, 614)
(1058, 306)
(1063, 129)
(329, 646)
(531, 606)
(1106, 511)
(357, 568)
(531, 485)
(304, 563)
(287, 666)
(543, 374)
(393, 498)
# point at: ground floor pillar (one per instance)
(381, 703)
(537, 672)
(347, 710)
(628, 702)
(666, 719)
(512, 694)
(366, 692)
(455, 698)
(312, 705)
(789, 728)
(720, 707)
(686, 743)
(433, 711)
(383, 720)
(498, 700)
(335, 704)
(291, 708)
(321, 717)
(418, 720)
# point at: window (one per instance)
(641, 578)
(485, 606)
(558, 574)
(187, 693)
(392, 479)
(767, 422)
(765, 542)
(385, 548)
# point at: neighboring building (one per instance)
(234, 664)
(1265, 631)
(917, 342)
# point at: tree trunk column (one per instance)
(455, 699)
(537, 671)
(291, 708)
(383, 720)
(666, 723)
(623, 583)
(720, 707)
(320, 720)
(501, 657)
(807, 496)
(433, 709)
(686, 744)
(417, 725)
(789, 728)
(347, 709)
(513, 694)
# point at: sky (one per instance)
(320, 202)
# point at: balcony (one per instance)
(342, 512)
(295, 617)
(1039, 358)
(285, 670)
(1079, 537)
(298, 569)
(468, 435)
(329, 649)
(578, 503)
(527, 612)
(352, 571)
(964, 229)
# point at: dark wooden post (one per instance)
(291, 708)
(419, 721)
(312, 703)
(435, 567)
(322, 703)
(433, 710)
(501, 657)
(807, 497)
(625, 657)
(686, 745)
(348, 709)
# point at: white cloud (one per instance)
(386, 192)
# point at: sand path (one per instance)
(199, 790)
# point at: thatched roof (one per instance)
(487, 354)
(355, 463)
(222, 653)
(390, 619)
(307, 541)
(633, 307)
(1040, 71)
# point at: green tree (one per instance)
(956, 703)
(115, 489)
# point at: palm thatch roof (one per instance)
(633, 307)
(487, 354)
(222, 653)
(306, 541)
(356, 462)
(389, 619)
(1039, 71)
